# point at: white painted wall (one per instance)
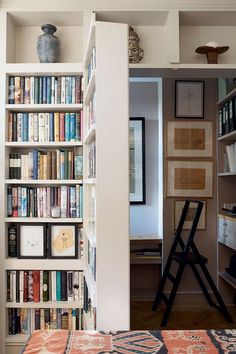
(144, 219)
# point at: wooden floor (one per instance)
(204, 317)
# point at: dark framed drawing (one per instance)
(137, 160)
(63, 241)
(189, 99)
(31, 241)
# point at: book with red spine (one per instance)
(36, 285)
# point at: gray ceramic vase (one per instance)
(48, 45)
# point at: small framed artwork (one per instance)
(32, 241)
(179, 205)
(63, 241)
(189, 179)
(137, 160)
(189, 99)
(188, 138)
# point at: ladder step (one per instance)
(164, 298)
(171, 277)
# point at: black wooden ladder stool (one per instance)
(188, 255)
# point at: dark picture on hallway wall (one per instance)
(137, 160)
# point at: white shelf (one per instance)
(91, 41)
(92, 239)
(90, 181)
(230, 137)
(43, 220)
(90, 135)
(52, 144)
(46, 304)
(44, 181)
(230, 280)
(44, 68)
(91, 286)
(17, 339)
(44, 107)
(225, 174)
(89, 324)
(90, 88)
(43, 264)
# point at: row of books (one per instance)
(92, 160)
(227, 117)
(44, 285)
(92, 260)
(14, 247)
(92, 63)
(231, 157)
(45, 89)
(25, 321)
(44, 127)
(63, 201)
(39, 165)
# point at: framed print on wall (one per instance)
(189, 179)
(187, 138)
(137, 160)
(178, 208)
(63, 241)
(189, 99)
(31, 241)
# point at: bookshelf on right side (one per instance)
(226, 193)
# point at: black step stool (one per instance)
(188, 255)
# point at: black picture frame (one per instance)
(28, 238)
(60, 249)
(189, 99)
(137, 178)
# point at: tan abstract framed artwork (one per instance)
(189, 179)
(189, 139)
(178, 208)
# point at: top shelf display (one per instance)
(23, 29)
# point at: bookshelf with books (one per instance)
(106, 239)
(226, 196)
(42, 177)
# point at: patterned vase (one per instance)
(48, 45)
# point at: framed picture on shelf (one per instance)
(189, 99)
(137, 160)
(189, 179)
(178, 208)
(189, 138)
(31, 241)
(63, 241)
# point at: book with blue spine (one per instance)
(81, 201)
(67, 126)
(25, 126)
(51, 126)
(58, 285)
(19, 201)
(77, 200)
(23, 201)
(35, 164)
(72, 126)
(49, 91)
(19, 126)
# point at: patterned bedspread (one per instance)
(166, 341)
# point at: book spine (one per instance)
(70, 293)
(19, 126)
(37, 319)
(53, 285)
(72, 202)
(14, 202)
(41, 127)
(45, 286)
(27, 90)
(36, 90)
(30, 286)
(11, 90)
(62, 126)
(10, 127)
(12, 241)
(21, 286)
(63, 201)
(53, 89)
(25, 286)
(51, 126)
(32, 90)
(76, 286)
(49, 91)
(17, 286)
(41, 285)
(67, 126)
(63, 285)
(31, 127)
(40, 90)
(44, 89)
(24, 202)
(77, 128)
(63, 89)
(72, 126)
(14, 126)
(36, 127)
(56, 127)
(9, 201)
(36, 285)
(14, 285)
(58, 286)
(17, 90)
(47, 131)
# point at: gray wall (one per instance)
(144, 103)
